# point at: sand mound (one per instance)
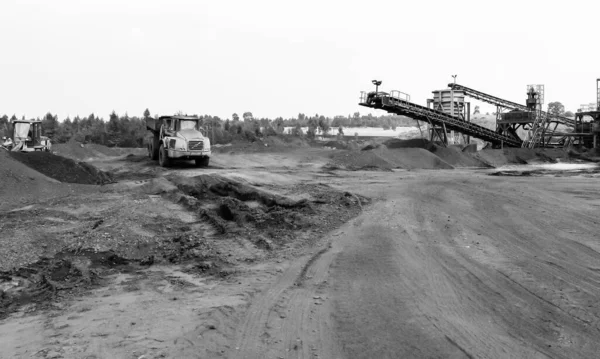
(455, 156)
(412, 158)
(61, 168)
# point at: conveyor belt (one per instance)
(399, 106)
(507, 104)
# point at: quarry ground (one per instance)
(287, 254)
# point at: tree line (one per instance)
(130, 131)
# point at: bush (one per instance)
(270, 131)
(221, 137)
(297, 131)
(249, 135)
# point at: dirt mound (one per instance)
(75, 150)
(412, 158)
(340, 145)
(471, 148)
(412, 143)
(455, 156)
(359, 160)
(79, 151)
(61, 168)
(115, 151)
(279, 143)
(383, 158)
(20, 185)
(268, 219)
(521, 156)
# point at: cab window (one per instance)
(187, 125)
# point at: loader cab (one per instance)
(29, 133)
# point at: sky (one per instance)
(280, 58)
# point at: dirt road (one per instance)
(441, 264)
(448, 265)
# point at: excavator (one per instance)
(26, 137)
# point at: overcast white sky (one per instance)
(279, 58)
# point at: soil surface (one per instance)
(389, 250)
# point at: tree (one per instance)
(556, 108)
(323, 125)
(248, 116)
(50, 125)
(114, 129)
(4, 128)
(476, 110)
(146, 114)
(313, 124)
(235, 117)
(569, 114)
(278, 125)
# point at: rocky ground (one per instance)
(284, 249)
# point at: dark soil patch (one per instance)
(62, 169)
(137, 158)
(266, 218)
(51, 278)
(412, 143)
(340, 145)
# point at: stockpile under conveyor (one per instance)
(399, 106)
(478, 95)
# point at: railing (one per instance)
(394, 94)
(399, 95)
(363, 96)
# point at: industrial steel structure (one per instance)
(587, 124)
(453, 103)
(503, 105)
(399, 103)
(448, 111)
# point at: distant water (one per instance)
(367, 131)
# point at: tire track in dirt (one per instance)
(292, 319)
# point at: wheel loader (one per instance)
(27, 137)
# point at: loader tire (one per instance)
(163, 157)
(153, 149)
